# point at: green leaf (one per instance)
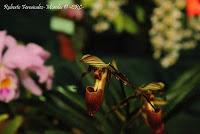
(130, 26)
(140, 13)
(181, 88)
(72, 96)
(68, 114)
(59, 3)
(62, 25)
(13, 125)
(55, 132)
(3, 117)
(87, 3)
(181, 123)
(72, 88)
(119, 23)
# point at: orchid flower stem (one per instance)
(9, 108)
(123, 102)
(133, 115)
(124, 93)
(155, 109)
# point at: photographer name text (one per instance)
(41, 7)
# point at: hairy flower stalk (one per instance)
(94, 95)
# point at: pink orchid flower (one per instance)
(25, 59)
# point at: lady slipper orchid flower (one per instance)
(25, 59)
(94, 95)
(102, 73)
(154, 119)
(152, 115)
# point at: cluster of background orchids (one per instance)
(18, 61)
(94, 95)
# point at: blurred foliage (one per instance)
(58, 3)
(62, 25)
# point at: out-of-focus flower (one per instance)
(25, 59)
(72, 11)
(168, 34)
(75, 14)
(101, 26)
(106, 9)
(65, 47)
(94, 95)
(194, 25)
(8, 84)
(193, 7)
